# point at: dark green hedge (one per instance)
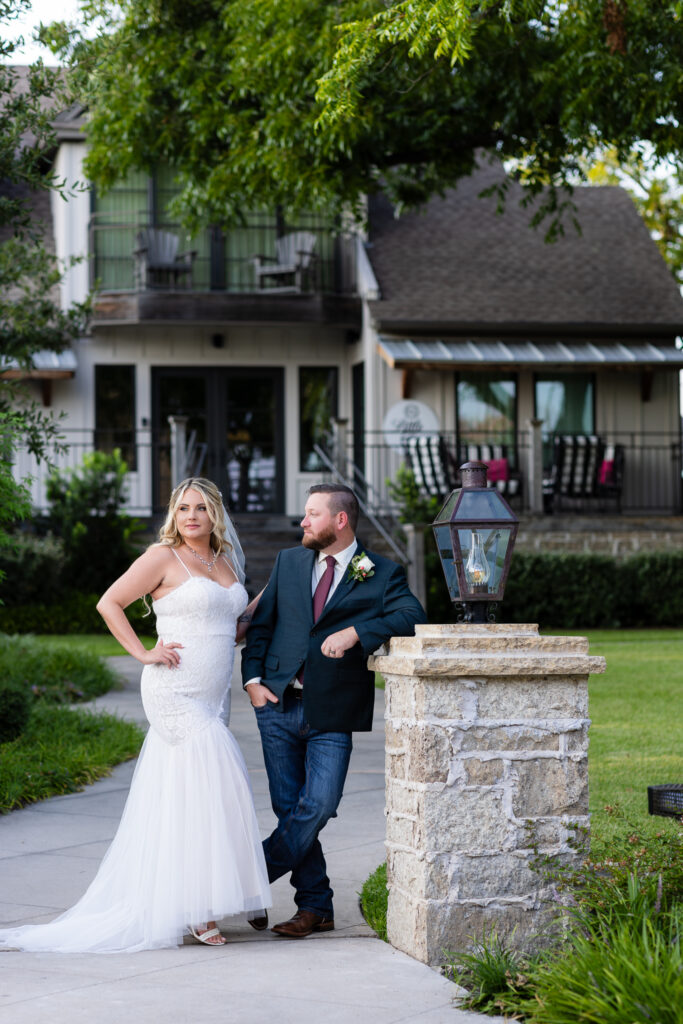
(34, 569)
(579, 591)
(75, 613)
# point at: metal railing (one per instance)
(652, 483)
(223, 260)
(653, 465)
(384, 520)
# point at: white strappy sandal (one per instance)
(204, 937)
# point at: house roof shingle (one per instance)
(457, 266)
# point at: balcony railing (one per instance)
(223, 260)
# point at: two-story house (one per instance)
(234, 352)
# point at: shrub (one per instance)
(373, 901)
(644, 578)
(15, 708)
(576, 591)
(54, 672)
(34, 570)
(61, 751)
(85, 513)
(75, 613)
(572, 591)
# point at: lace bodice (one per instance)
(200, 607)
(201, 615)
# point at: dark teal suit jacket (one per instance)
(339, 693)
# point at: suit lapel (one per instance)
(343, 587)
(306, 577)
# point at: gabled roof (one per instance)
(456, 266)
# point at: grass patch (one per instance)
(61, 751)
(102, 646)
(57, 672)
(636, 736)
(373, 901)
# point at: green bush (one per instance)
(15, 708)
(576, 591)
(75, 613)
(572, 591)
(33, 568)
(373, 901)
(57, 673)
(85, 512)
(61, 751)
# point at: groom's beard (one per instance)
(321, 541)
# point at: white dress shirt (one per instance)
(342, 560)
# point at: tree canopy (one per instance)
(306, 103)
(31, 317)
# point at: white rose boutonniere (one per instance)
(361, 567)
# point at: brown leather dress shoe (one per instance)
(260, 923)
(304, 923)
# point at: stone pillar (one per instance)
(486, 757)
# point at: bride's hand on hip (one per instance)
(163, 654)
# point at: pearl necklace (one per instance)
(209, 565)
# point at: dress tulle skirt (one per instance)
(187, 850)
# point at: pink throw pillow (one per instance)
(498, 470)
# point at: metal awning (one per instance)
(45, 365)
(400, 353)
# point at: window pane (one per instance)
(318, 398)
(486, 408)
(115, 411)
(565, 403)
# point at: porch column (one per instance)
(535, 466)
(178, 426)
(339, 451)
(486, 757)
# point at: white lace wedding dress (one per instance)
(187, 849)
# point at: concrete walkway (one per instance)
(50, 851)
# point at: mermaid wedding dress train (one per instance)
(187, 849)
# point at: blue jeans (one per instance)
(306, 773)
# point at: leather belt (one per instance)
(295, 691)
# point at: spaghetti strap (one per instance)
(182, 563)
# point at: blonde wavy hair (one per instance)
(168, 534)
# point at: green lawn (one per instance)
(636, 736)
(104, 646)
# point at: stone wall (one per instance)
(486, 756)
(619, 536)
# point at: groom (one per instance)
(328, 605)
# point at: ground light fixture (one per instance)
(475, 533)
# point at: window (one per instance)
(486, 408)
(115, 411)
(318, 386)
(565, 403)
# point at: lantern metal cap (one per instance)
(473, 474)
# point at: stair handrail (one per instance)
(366, 508)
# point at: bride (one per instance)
(187, 850)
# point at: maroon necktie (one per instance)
(320, 596)
(323, 588)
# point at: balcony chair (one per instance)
(158, 264)
(290, 267)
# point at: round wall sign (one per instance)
(406, 418)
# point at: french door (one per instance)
(235, 426)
